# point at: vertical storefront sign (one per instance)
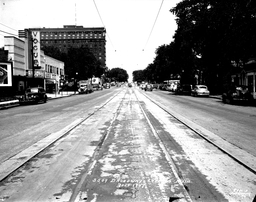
(36, 49)
(5, 74)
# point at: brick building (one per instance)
(75, 36)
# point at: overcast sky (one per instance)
(128, 24)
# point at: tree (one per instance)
(80, 63)
(217, 31)
(138, 76)
(118, 74)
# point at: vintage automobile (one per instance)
(97, 87)
(149, 87)
(200, 90)
(33, 95)
(142, 86)
(184, 89)
(237, 94)
(85, 88)
(106, 85)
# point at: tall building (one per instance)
(75, 36)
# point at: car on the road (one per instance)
(106, 85)
(149, 87)
(200, 90)
(184, 89)
(33, 95)
(85, 88)
(237, 94)
(97, 87)
(142, 86)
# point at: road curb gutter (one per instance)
(15, 162)
(239, 155)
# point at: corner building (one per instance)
(75, 36)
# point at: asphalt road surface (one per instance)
(117, 145)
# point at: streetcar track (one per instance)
(236, 159)
(9, 166)
(76, 193)
(82, 182)
(173, 166)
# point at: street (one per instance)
(124, 144)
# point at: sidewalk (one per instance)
(14, 103)
(60, 94)
(216, 96)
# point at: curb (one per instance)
(15, 103)
(9, 104)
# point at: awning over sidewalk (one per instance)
(50, 81)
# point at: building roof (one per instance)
(71, 27)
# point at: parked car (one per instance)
(97, 87)
(168, 87)
(142, 86)
(85, 87)
(33, 95)
(184, 89)
(237, 94)
(155, 86)
(162, 86)
(106, 85)
(200, 90)
(149, 87)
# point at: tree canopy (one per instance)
(210, 35)
(118, 74)
(80, 63)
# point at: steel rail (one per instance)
(202, 136)
(15, 166)
(167, 155)
(76, 193)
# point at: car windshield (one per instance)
(202, 87)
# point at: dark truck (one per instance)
(237, 94)
(85, 87)
(33, 95)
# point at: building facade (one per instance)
(247, 76)
(54, 70)
(32, 68)
(73, 36)
(16, 55)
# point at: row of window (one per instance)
(72, 32)
(95, 44)
(72, 35)
(55, 70)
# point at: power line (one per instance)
(8, 27)
(154, 24)
(8, 33)
(102, 23)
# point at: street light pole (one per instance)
(75, 83)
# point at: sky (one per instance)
(131, 41)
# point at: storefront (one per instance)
(35, 78)
(247, 76)
(50, 83)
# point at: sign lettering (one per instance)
(36, 48)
